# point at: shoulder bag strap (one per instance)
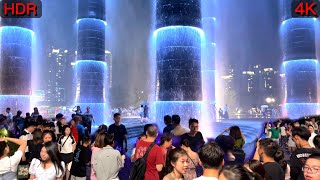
(148, 150)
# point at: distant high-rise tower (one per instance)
(178, 38)
(91, 67)
(300, 64)
(16, 58)
(58, 62)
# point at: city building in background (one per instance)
(59, 67)
(250, 86)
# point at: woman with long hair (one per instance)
(66, 146)
(50, 167)
(239, 139)
(193, 159)
(177, 164)
(97, 146)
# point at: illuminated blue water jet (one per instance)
(91, 68)
(16, 61)
(300, 64)
(178, 37)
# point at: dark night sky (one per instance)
(247, 33)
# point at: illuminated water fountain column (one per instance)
(300, 64)
(91, 67)
(17, 39)
(208, 67)
(178, 56)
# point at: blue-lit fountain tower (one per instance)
(91, 67)
(300, 64)
(208, 66)
(178, 37)
(16, 58)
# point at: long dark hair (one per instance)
(37, 137)
(235, 132)
(52, 150)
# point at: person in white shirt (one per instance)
(178, 130)
(211, 160)
(313, 134)
(50, 167)
(9, 164)
(66, 146)
(26, 135)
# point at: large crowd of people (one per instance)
(32, 147)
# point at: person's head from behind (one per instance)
(275, 124)
(99, 140)
(193, 126)
(49, 153)
(177, 161)
(176, 119)
(8, 110)
(235, 172)
(235, 132)
(311, 169)
(109, 139)
(185, 144)
(86, 141)
(31, 126)
(255, 166)
(19, 113)
(47, 136)
(27, 114)
(4, 149)
(316, 141)
(37, 136)
(78, 108)
(167, 120)
(116, 118)
(102, 128)
(35, 110)
(166, 141)
(88, 108)
(311, 128)
(152, 132)
(142, 137)
(226, 143)
(279, 158)
(59, 116)
(300, 136)
(211, 156)
(267, 148)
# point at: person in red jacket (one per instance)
(74, 129)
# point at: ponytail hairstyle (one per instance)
(256, 167)
(269, 147)
(236, 172)
(279, 158)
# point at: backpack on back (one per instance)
(140, 166)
